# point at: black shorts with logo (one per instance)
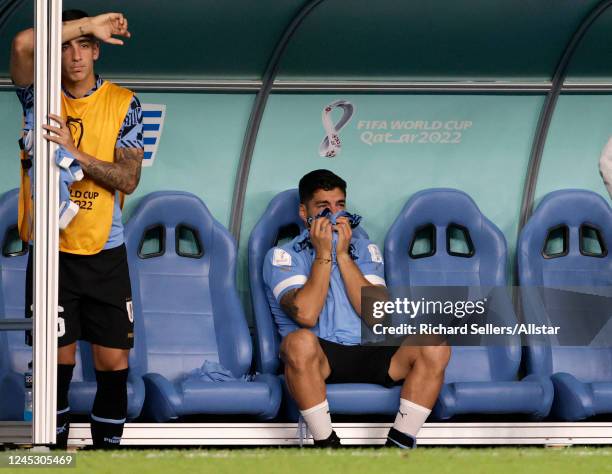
(95, 298)
(359, 364)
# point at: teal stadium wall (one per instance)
(352, 40)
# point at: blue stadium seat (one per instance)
(482, 380)
(582, 376)
(14, 354)
(281, 221)
(187, 311)
(13, 263)
(83, 385)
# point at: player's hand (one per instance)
(321, 236)
(345, 233)
(107, 25)
(61, 135)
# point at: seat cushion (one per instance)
(351, 399)
(235, 398)
(532, 396)
(602, 397)
(82, 394)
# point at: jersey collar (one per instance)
(97, 85)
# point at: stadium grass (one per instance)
(311, 461)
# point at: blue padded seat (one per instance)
(582, 376)
(14, 354)
(478, 380)
(281, 219)
(12, 299)
(187, 311)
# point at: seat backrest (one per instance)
(440, 238)
(564, 245)
(13, 264)
(279, 221)
(183, 272)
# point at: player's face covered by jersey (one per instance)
(329, 205)
(353, 219)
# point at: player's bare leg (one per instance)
(110, 358)
(306, 369)
(422, 369)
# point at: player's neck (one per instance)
(80, 88)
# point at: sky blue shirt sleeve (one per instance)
(26, 97)
(284, 270)
(370, 262)
(130, 134)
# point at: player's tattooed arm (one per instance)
(288, 303)
(298, 306)
(122, 175)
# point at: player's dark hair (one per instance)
(71, 15)
(319, 179)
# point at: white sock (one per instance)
(410, 417)
(318, 420)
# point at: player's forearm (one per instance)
(22, 49)
(75, 28)
(311, 297)
(22, 58)
(304, 305)
(123, 175)
(353, 280)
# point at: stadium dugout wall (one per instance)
(504, 103)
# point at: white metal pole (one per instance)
(47, 99)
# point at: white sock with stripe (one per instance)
(410, 417)
(318, 420)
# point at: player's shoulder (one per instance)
(116, 87)
(283, 255)
(26, 95)
(120, 91)
(368, 250)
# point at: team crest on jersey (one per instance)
(130, 310)
(281, 258)
(153, 116)
(375, 253)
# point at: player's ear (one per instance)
(303, 213)
(96, 50)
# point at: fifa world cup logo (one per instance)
(331, 145)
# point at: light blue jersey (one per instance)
(286, 268)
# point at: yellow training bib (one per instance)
(94, 123)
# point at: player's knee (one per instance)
(300, 349)
(107, 360)
(436, 358)
(66, 355)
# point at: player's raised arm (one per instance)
(304, 304)
(103, 27)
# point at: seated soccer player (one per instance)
(314, 288)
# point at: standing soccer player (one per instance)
(101, 127)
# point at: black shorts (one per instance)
(359, 364)
(95, 298)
